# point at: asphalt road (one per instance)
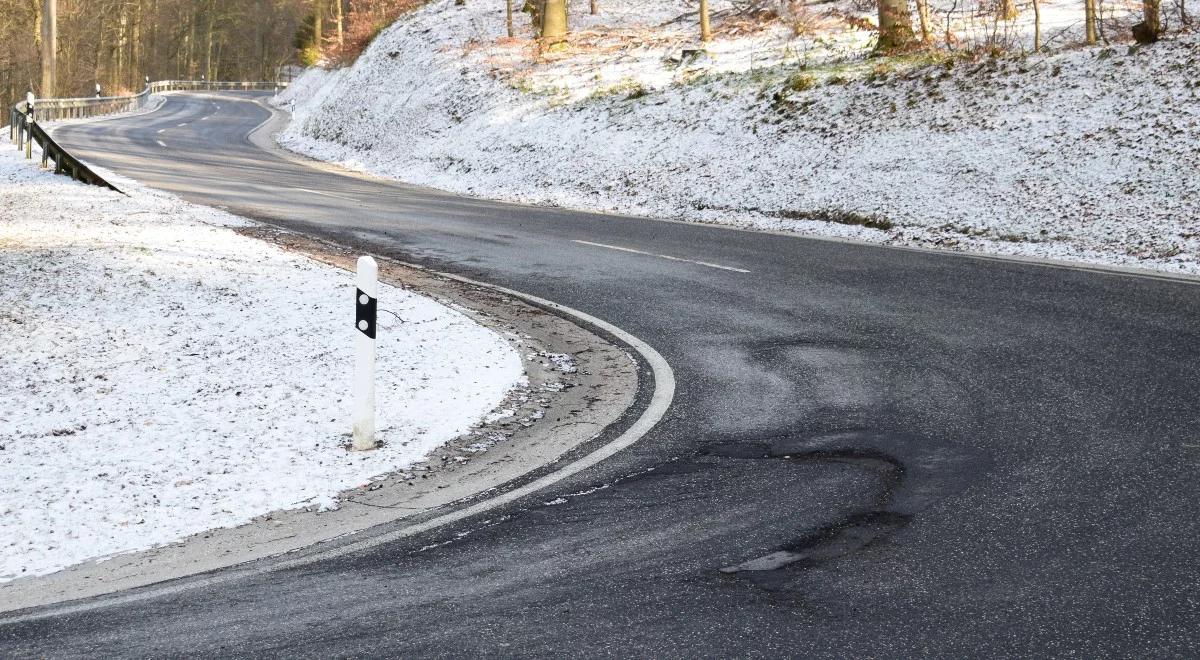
(919, 454)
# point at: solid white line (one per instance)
(660, 401)
(325, 194)
(662, 256)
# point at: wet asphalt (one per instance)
(871, 451)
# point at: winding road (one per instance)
(871, 451)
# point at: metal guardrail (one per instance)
(24, 129)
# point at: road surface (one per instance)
(871, 451)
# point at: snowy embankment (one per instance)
(1085, 154)
(163, 375)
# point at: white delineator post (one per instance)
(364, 354)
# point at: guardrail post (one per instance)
(365, 302)
(29, 125)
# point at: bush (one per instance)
(800, 82)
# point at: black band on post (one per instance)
(364, 318)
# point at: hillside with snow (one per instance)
(1084, 154)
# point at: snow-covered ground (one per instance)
(162, 375)
(1080, 154)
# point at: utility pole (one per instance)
(49, 48)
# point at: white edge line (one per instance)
(660, 401)
(662, 256)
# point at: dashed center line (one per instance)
(662, 256)
(160, 130)
(161, 144)
(325, 194)
(182, 125)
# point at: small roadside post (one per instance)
(29, 99)
(365, 302)
(98, 95)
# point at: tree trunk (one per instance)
(554, 21)
(594, 7)
(49, 48)
(1037, 25)
(895, 26)
(1148, 31)
(508, 18)
(1008, 9)
(209, 48)
(705, 26)
(319, 25)
(341, 18)
(1089, 19)
(118, 80)
(926, 22)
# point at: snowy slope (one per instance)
(162, 375)
(1083, 154)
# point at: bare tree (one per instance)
(926, 21)
(1037, 25)
(895, 26)
(1090, 21)
(1148, 31)
(705, 26)
(49, 48)
(554, 21)
(340, 17)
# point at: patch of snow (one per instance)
(163, 375)
(1083, 154)
(562, 362)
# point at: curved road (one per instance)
(889, 452)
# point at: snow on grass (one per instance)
(162, 375)
(1084, 154)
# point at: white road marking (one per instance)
(182, 125)
(161, 144)
(325, 194)
(663, 256)
(160, 130)
(205, 117)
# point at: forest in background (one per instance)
(117, 43)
